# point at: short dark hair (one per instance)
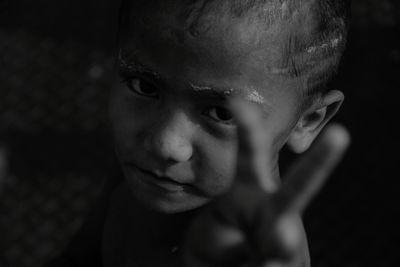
(311, 52)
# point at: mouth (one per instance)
(163, 183)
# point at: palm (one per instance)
(256, 223)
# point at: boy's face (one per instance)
(174, 136)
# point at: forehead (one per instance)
(222, 49)
(206, 35)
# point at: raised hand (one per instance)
(257, 222)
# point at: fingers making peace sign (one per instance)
(257, 222)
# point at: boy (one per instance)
(210, 93)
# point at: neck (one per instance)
(168, 229)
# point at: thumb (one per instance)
(307, 175)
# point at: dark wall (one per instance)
(90, 22)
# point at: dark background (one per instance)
(55, 69)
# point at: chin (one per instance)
(171, 208)
(164, 202)
(168, 205)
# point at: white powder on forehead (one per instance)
(256, 97)
(199, 88)
(253, 96)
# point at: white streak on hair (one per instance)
(279, 71)
(285, 9)
(332, 44)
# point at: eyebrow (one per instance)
(205, 91)
(210, 91)
(133, 66)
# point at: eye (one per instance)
(220, 114)
(141, 87)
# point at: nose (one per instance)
(170, 138)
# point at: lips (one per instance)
(161, 182)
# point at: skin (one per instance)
(180, 149)
(252, 225)
(181, 137)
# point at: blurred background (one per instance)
(56, 64)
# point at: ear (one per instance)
(313, 121)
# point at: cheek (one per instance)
(124, 120)
(217, 167)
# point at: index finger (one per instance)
(308, 175)
(253, 156)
